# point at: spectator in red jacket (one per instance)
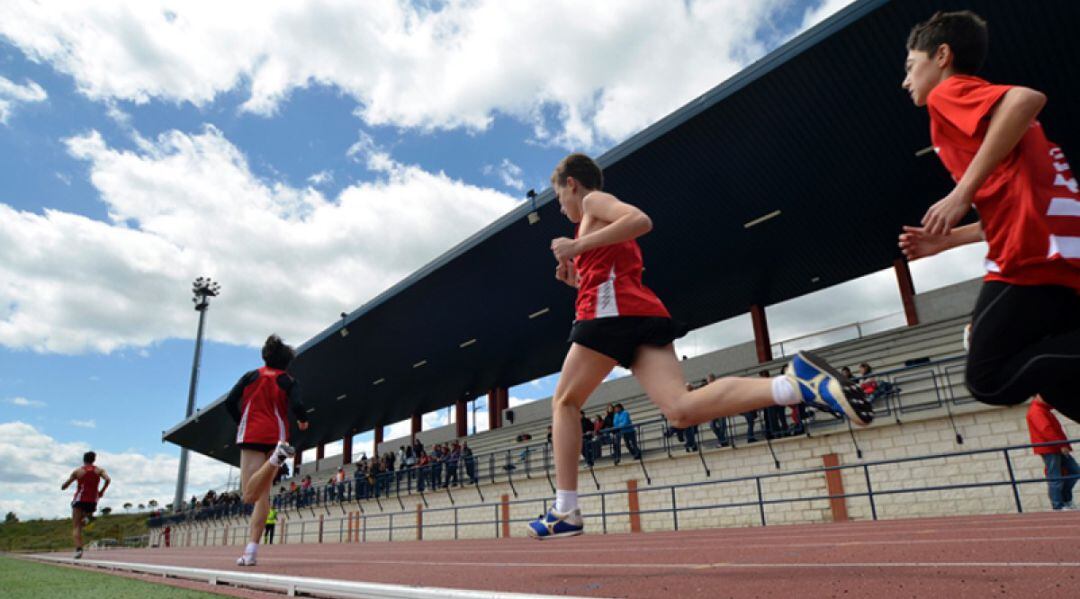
(1061, 469)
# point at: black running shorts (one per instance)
(87, 507)
(620, 337)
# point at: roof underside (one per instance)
(819, 130)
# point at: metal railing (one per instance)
(350, 528)
(902, 390)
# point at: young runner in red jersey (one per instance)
(87, 495)
(621, 321)
(1025, 334)
(260, 403)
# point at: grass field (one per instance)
(55, 535)
(21, 579)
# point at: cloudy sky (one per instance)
(282, 148)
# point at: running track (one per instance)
(1018, 555)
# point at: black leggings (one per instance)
(1026, 341)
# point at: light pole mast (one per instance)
(203, 289)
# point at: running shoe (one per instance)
(555, 524)
(283, 452)
(823, 388)
(245, 560)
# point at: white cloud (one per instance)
(12, 94)
(321, 177)
(34, 464)
(184, 205)
(826, 9)
(84, 423)
(604, 69)
(22, 402)
(507, 172)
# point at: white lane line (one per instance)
(292, 585)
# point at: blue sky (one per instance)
(145, 144)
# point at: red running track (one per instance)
(1018, 555)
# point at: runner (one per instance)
(87, 496)
(260, 403)
(620, 321)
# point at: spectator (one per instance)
(438, 457)
(549, 435)
(586, 439)
(624, 429)
(607, 436)
(599, 436)
(423, 466)
(470, 462)
(452, 460)
(847, 373)
(1061, 469)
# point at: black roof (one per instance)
(819, 129)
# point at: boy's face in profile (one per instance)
(923, 73)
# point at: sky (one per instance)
(307, 156)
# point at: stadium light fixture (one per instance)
(344, 330)
(534, 216)
(202, 289)
(467, 343)
(419, 364)
(925, 151)
(539, 313)
(761, 219)
(342, 396)
(378, 381)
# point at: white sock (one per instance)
(251, 549)
(783, 392)
(565, 501)
(275, 458)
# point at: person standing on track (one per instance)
(260, 403)
(619, 321)
(87, 496)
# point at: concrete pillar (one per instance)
(761, 333)
(907, 290)
(461, 417)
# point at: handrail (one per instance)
(354, 489)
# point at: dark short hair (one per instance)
(763, 373)
(965, 33)
(582, 168)
(276, 353)
(89, 457)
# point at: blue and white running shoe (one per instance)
(554, 524)
(823, 388)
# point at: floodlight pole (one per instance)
(203, 289)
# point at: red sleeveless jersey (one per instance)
(1029, 205)
(263, 410)
(87, 489)
(609, 284)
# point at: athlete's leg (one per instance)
(77, 517)
(1025, 341)
(661, 376)
(582, 372)
(253, 468)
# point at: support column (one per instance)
(417, 425)
(378, 439)
(320, 451)
(907, 290)
(494, 413)
(346, 450)
(461, 417)
(761, 333)
(297, 460)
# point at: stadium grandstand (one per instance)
(792, 176)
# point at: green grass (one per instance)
(22, 579)
(55, 535)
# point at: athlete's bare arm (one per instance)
(105, 477)
(1009, 122)
(74, 477)
(619, 222)
(916, 242)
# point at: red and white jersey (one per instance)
(86, 490)
(609, 284)
(263, 410)
(1029, 205)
